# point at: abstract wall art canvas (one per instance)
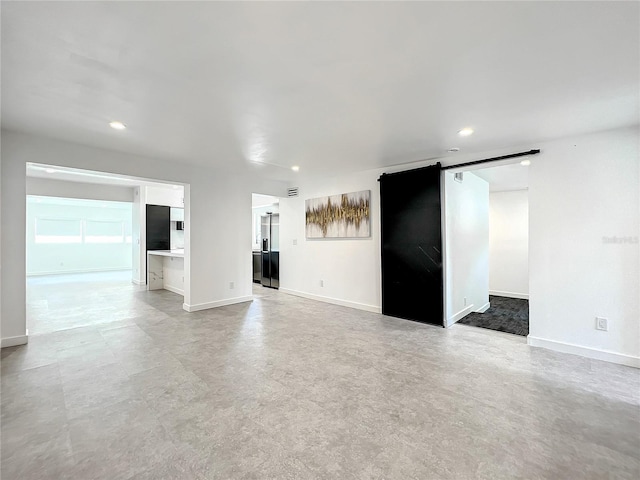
(339, 216)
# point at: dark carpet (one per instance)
(510, 315)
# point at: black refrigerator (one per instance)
(270, 233)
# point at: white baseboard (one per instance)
(219, 303)
(334, 301)
(460, 315)
(174, 289)
(13, 341)
(483, 308)
(138, 282)
(588, 352)
(84, 270)
(498, 293)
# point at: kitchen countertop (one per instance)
(178, 252)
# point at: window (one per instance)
(104, 231)
(128, 235)
(57, 230)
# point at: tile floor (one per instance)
(285, 387)
(60, 302)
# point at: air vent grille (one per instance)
(292, 192)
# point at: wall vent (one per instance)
(458, 176)
(292, 192)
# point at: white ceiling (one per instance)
(329, 86)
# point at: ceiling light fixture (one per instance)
(49, 170)
(465, 132)
(295, 168)
(525, 163)
(117, 125)
(453, 150)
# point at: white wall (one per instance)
(173, 274)
(577, 195)
(583, 192)
(13, 253)
(509, 244)
(170, 196)
(466, 246)
(17, 340)
(61, 188)
(138, 270)
(349, 268)
(56, 258)
(216, 240)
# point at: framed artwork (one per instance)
(339, 216)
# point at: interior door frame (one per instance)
(462, 168)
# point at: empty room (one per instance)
(402, 173)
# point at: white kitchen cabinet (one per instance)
(165, 269)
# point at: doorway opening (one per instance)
(86, 246)
(265, 241)
(486, 231)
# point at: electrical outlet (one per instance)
(322, 283)
(231, 285)
(602, 324)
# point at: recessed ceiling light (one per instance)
(49, 170)
(465, 132)
(117, 125)
(525, 163)
(295, 168)
(453, 150)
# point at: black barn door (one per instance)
(412, 245)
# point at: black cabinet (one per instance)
(158, 227)
(257, 267)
